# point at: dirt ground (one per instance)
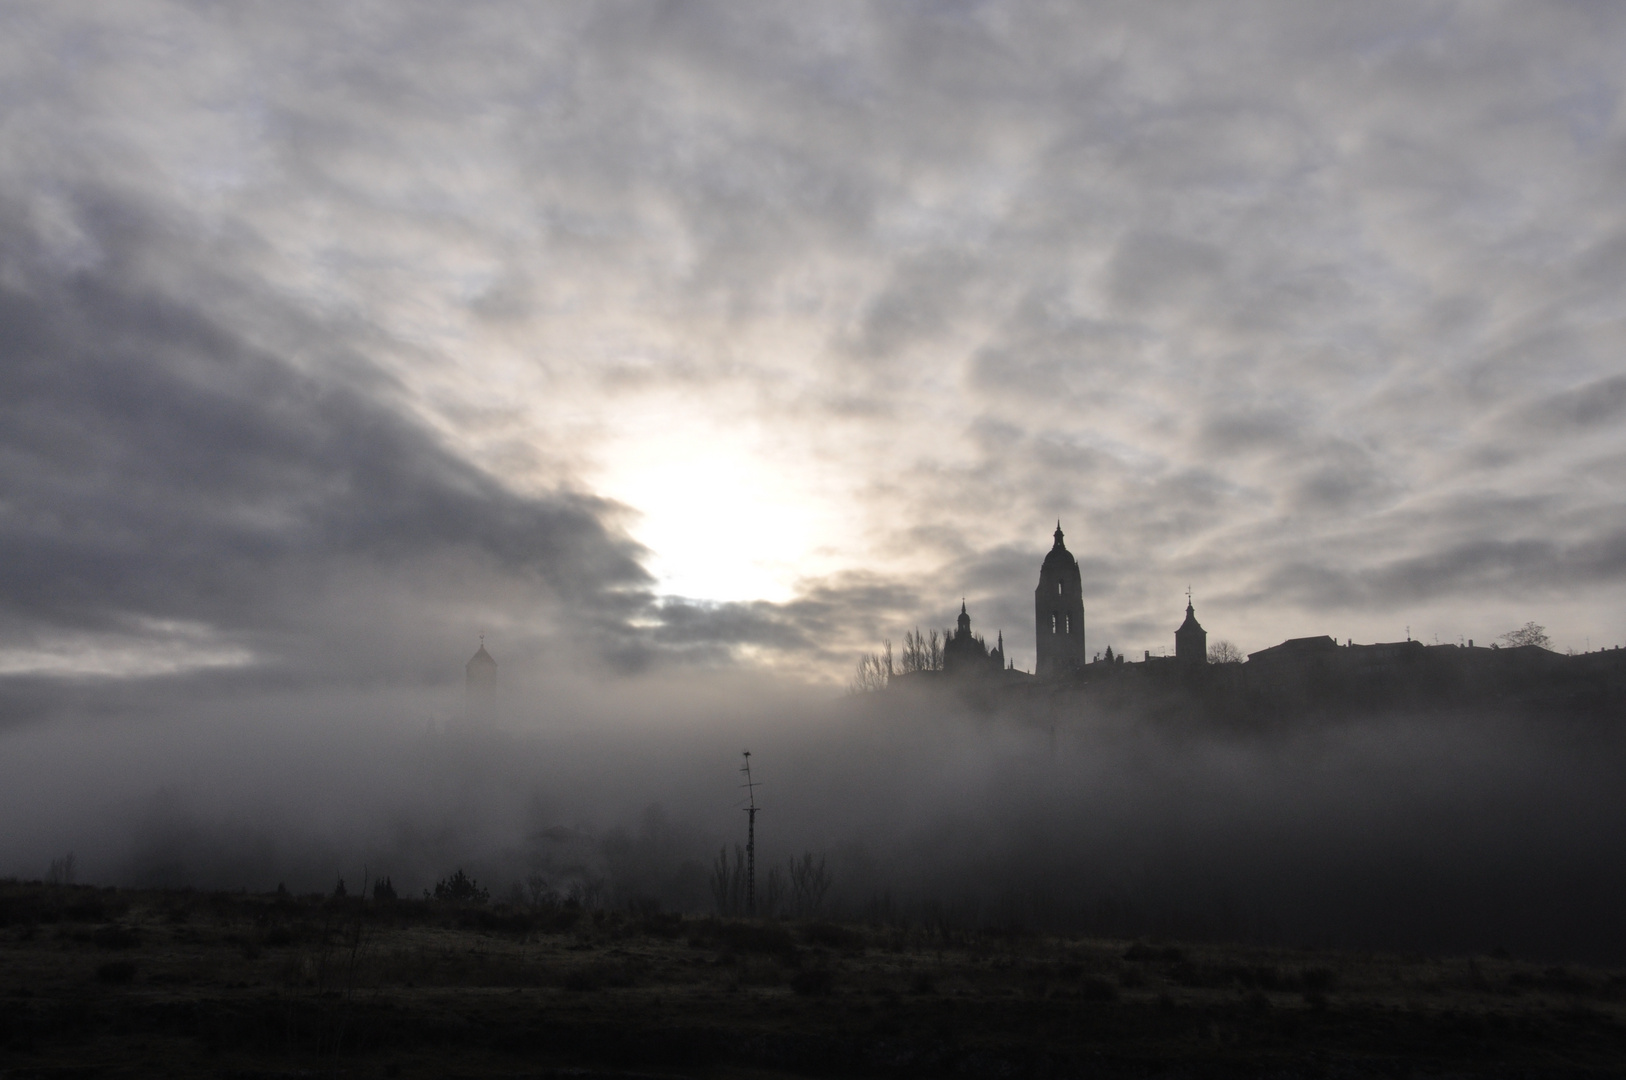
(102, 982)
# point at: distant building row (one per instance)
(1058, 628)
(1302, 672)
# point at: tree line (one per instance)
(921, 652)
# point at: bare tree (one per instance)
(1528, 634)
(809, 881)
(871, 675)
(589, 892)
(63, 871)
(922, 652)
(540, 893)
(728, 882)
(914, 652)
(1224, 652)
(773, 894)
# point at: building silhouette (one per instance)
(1058, 613)
(965, 653)
(1191, 640)
(1301, 677)
(480, 687)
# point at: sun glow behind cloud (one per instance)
(726, 517)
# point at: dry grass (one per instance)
(181, 982)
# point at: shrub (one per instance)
(831, 936)
(1142, 952)
(115, 937)
(459, 889)
(1096, 988)
(814, 982)
(1318, 980)
(580, 981)
(117, 972)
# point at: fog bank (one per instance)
(1434, 833)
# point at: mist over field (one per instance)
(1437, 833)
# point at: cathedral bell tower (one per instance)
(480, 688)
(1058, 614)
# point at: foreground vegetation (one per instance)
(97, 981)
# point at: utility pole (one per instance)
(750, 838)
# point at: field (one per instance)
(103, 982)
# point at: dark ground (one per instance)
(101, 982)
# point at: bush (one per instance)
(1096, 988)
(459, 889)
(831, 936)
(814, 982)
(1143, 953)
(754, 938)
(1318, 980)
(580, 980)
(115, 937)
(117, 972)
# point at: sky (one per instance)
(673, 338)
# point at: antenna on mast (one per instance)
(750, 837)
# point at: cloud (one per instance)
(348, 318)
(1599, 402)
(1154, 269)
(172, 482)
(1520, 567)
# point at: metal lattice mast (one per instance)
(750, 838)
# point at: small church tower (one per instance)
(1191, 640)
(480, 687)
(1058, 613)
(964, 653)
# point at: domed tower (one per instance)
(964, 652)
(1191, 640)
(1058, 613)
(480, 686)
